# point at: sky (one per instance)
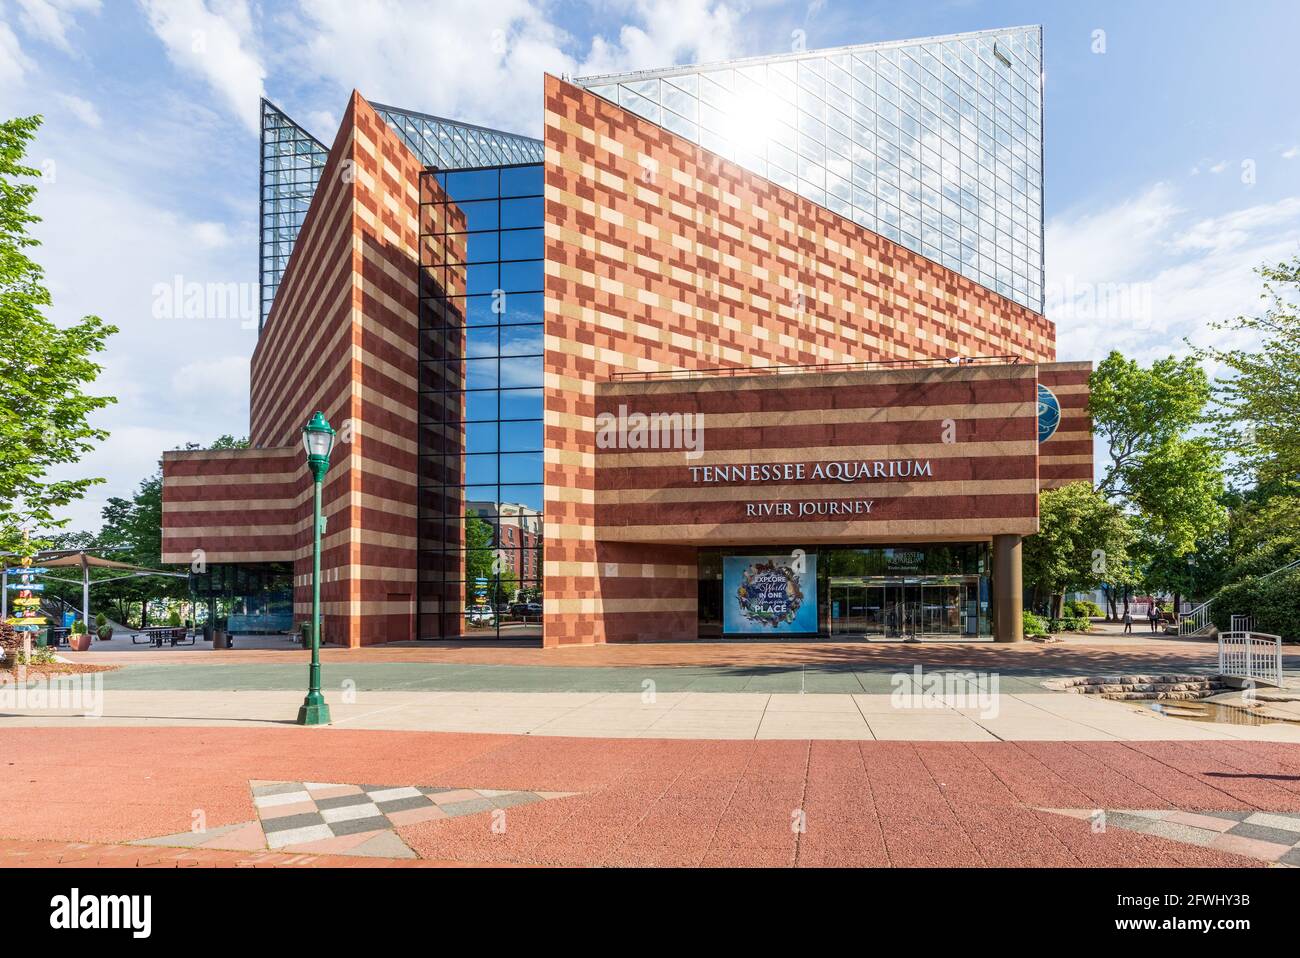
(1172, 153)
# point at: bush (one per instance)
(1083, 609)
(1274, 602)
(174, 619)
(1033, 625)
(101, 620)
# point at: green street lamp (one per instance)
(317, 440)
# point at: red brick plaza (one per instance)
(647, 802)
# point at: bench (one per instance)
(164, 636)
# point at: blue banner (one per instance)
(769, 595)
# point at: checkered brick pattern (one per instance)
(1273, 837)
(297, 814)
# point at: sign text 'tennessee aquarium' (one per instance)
(839, 471)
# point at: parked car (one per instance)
(480, 615)
(526, 608)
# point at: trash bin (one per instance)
(305, 629)
(219, 639)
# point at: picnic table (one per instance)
(164, 636)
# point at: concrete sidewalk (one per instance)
(1019, 716)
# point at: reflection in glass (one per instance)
(480, 515)
(943, 132)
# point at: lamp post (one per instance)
(317, 441)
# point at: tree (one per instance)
(1136, 411)
(1256, 410)
(1082, 543)
(44, 414)
(1168, 479)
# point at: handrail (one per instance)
(1255, 656)
(1197, 620)
(732, 371)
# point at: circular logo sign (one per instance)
(1049, 413)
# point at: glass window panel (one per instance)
(522, 213)
(481, 405)
(481, 373)
(472, 184)
(481, 279)
(521, 467)
(480, 215)
(521, 436)
(521, 340)
(519, 372)
(520, 404)
(481, 468)
(480, 437)
(521, 244)
(523, 276)
(522, 181)
(521, 308)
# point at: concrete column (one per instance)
(1008, 589)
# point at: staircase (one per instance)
(1165, 687)
(1198, 621)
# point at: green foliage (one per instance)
(1082, 541)
(1273, 601)
(1136, 411)
(1257, 406)
(78, 628)
(1068, 624)
(44, 419)
(1033, 625)
(174, 619)
(101, 620)
(1083, 609)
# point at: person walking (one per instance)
(1153, 615)
(1128, 622)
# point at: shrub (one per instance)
(1274, 602)
(1083, 609)
(101, 620)
(78, 628)
(1033, 625)
(174, 619)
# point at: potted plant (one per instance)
(78, 638)
(102, 628)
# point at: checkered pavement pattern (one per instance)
(326, 817)
(1272, 837)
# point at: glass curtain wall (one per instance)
(936, 144)
(480, 504)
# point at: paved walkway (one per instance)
(1018, 716)
(637, 802)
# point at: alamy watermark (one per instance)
(81, 693)
(656, 430)
(946, 690)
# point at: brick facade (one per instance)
(660, 255)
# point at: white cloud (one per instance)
(225, 379)
(1143, 276)
(1219, 167)
(14, 64)
(483, 63)
(82, 109)
(214, 40)
(670, 32)
(51, 20)
(1292, 153)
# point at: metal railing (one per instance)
(1241, 623)
(875, 364)
(1195, 621)
(1198, 619)
(1256, 656)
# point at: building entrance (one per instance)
(898, 607)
